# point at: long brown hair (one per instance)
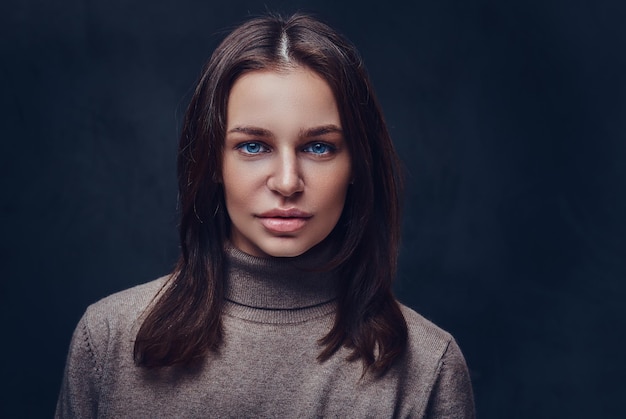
(185, 322)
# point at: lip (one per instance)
(284, 220)
(285, 213)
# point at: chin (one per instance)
(285, 253)
(286, 248)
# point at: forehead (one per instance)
(297, 96)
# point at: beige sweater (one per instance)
(267, 367)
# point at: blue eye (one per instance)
(252, 148)
(318, 148)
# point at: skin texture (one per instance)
(286, 167)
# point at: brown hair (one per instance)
(185, 323)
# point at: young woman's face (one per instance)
(286, 163)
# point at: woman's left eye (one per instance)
(319, 148)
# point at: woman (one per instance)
(281, 303)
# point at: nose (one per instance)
(286, 178)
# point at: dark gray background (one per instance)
(509, 117)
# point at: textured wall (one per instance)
(509, 117)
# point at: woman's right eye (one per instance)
(252, 147)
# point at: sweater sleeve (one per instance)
(452, 395)
(80, 387)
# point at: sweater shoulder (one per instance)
(129, 303)
(444, 371)
(427, 341)
(119, 312)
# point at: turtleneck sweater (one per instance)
(279, 290)
(275, 312)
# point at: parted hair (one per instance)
(184, 324)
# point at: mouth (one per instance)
(284, 220)
(285, 213)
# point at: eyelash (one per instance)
(328, 148)
(242, 147)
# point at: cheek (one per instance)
(239, 183)
(332, 187)
(234, 190)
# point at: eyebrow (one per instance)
(254, 131)
(307, 133)
(318, 131)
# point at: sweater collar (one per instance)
(286, 283)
